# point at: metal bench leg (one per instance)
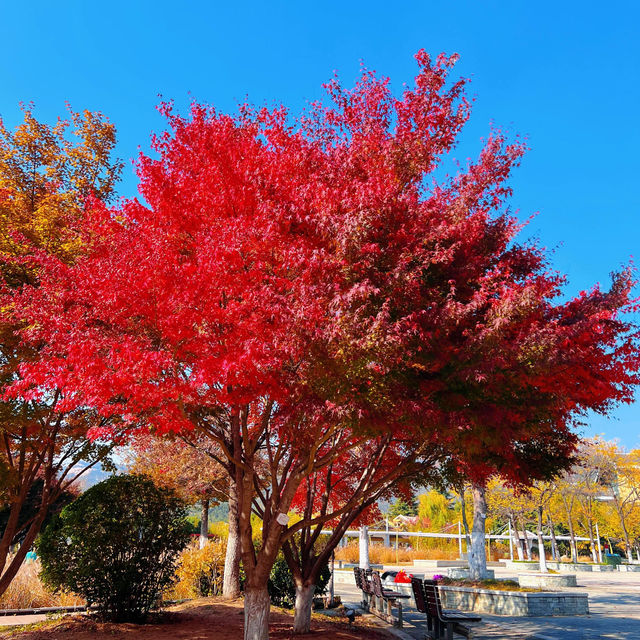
(449, 630)
(400, 620)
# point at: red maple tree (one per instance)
(296, 288)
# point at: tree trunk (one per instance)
(525, 541)
(465, 521)
(554, 542)
(302, 610)
(541, 553)
(231, 579)
(256, 614)
(572, 542)
(623, 525)
(204, 523)
(478, 557)
(16, 562)
(515, 534)
(592, 543)
(364, 548)
(331, 585)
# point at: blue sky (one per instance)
(564, 74)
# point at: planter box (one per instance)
(562, 567)
(341, 576)
(429, 565)
(462, 573)
(515, 603)
(522, 565)
(628, 567)
(568, 567)
(547, 580)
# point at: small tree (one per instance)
(117, 545)
(282, 586)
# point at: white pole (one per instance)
(510, 542)
(460, 539)
(599, 546)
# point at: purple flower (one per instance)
(437, 577)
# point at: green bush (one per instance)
(282, 588)
(117, 545)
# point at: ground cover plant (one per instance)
(117, 545)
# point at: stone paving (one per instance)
(614, 604)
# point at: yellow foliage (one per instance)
(219, 529)
(46, 175)
(435, 508)
(200, 572)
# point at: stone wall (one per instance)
(547, 580)
(515, 603)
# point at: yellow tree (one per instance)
(505, 503)
(619, 483)
(566, 492)
(47, 174)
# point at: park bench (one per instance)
(421, 603)
(362, 582)
(389, 598)
(445, 620)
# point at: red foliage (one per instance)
(307, 270)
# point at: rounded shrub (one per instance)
(282, 588)
(117, 545)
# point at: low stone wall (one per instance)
(522, 566)
(515, 603)
(428, 565)
(562, 567)
(547, 580)
(459, 573)
(629, 567)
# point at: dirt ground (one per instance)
(204, 619)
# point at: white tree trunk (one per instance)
(302, 610)
(478, 557)
(554, 543)
(526, 541)
(256, 614)
(231, 578)
(592, 543)
(364, 548)
(204, 523)
(572, 543)
(515, 535)
(541, 553)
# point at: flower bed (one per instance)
(515, 603)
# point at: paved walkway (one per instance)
(614, 603)
(12, 621)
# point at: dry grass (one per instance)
(379, 554)
(429, 549)
(27, 591)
